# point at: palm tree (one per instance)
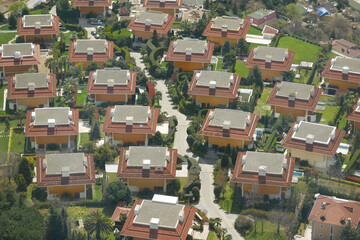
(20, 115)
(50, 64)
(97, 223)
(63, 63)
(217, 222)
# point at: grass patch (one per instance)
(112, 177)
(212, 236)
(84, 138)
(252, 45)
(176, 25)
(219, 65)
(17, 142)
(254, 31)
(183, 181)
(241, 70)
(7, 27)
(7, 37)
(2, 90)
(304, 51)
(81, 97)
(97, 195)
(328, 114)
(270, 232)
(228, 203)
(262, 108)
(124, 32)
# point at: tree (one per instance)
(276, 217)
(92, 66)
(206, 4)
(12, 20)
(38, 194)
(244, 225)
(173, 187)
(217, 191)
(255, 77)
(155, 39)
(63, 63)
(288, 76)
(242, 47)
(253, 196)
(355, 141)
(225, 161)
(25, 170)
(339, 25)
(69, 90)
(196, 192)
(7, 124)
(349, 233)
(143, 99)
(225, 48)
(89, 111)
(223, 233)
(19, 8)
(21, 183)
(229, 61)
(293, 10)
(56, 226)
(185, 88)
(221, 179)
(95, 133)
(97, 223)
(10, 165)
(20, 115)
(102, 155)
(157, 139)
(256, 215)
(51, 64)
(116, 192)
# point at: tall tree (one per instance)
(21, 183)
(225, 48)
(95, 133)
(116, 192)
(349, 233)
(97, 224)
(20, 115)
(229, 61)
(57, 226)
(25, 170)
(155, 39)
(242, 47)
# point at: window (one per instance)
(321, 226)
(320, 236)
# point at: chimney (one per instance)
(243, 160)
(146, 164)
(154, 223)
(224, 28)
(90, 51)
(110, 82)
(181, 216)
(17, 54)
(310, 139)
(37, 25)
(232, 79)
(292, 96)
(211, 115)
(137, 209)
(226, 125)
(31, 86)
(197, 76)
(312, 91)
(212, 84)
(323, 205)
(262, 171)
(147, 22)
(248, 119)
(149, 113)
(268, 59)
(345, 70)
(188, 51)
(33, 116)
(51, 123)
(70, 115)
(65, 172)
(332, 135)
(129, 120)
(167, 155)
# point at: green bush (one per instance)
(39, 194)
(52, 147)
(150, 46)
(146, 194)
(70, 15)
(270, 141)
(82, 33)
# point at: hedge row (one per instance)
(150, 46)
(270, 141)
(353, 160)
(77, 28)
(122, 52)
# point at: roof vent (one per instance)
(37, 25)
(349, 220)
(137, 209)
(154, 223)
(51, 123)
(33, 116)
(323, 205)
(146, 164)
(232, 79)
(70, 114)
(181, 215)
(90, 51)
(110, 82)
(292, 96)
(14, 80)
(17, 54)
(197, 76)
(212, 84)
(345, 70)
(65, 172)
(243, 160)
(224, 28)
(268, 58)
(31, 86)
(310, 139)
(262, 171)
(226, 125)
(149, 113)
(188, 51)
(147, 22)
(129, 120)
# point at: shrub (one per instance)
(217, 191)
(304, 163)
(39, 194)
(146, 194)
(244, 225)
(117, 192)
(196, 192)
(67, 196)
(52, 147)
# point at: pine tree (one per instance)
(206, 4)
(7, 123)
(225, 48)
(56, 227)
(95, 133)
(155, 39)
(185, 88)
(25, 170)
(157, 139)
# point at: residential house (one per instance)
(344, 47)
(221, 29)
(97, 7)
(38, 28)
(330, 215)
(147, 167)
(171, 7)
(271, 61)
(161, 218)
(260, 16)
(227, 126)
(130, 124)
(342, 74)
(66, 174)
(31, 90)
(269, 32)
(297, 99)
(188, 55)
(111, 85)
(267, 174)
(313, 142)
(354, 116)
(145, 23)
(18, 58)
(210, 88)
(86, 51)
(52, 126)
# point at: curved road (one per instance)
(207, 200)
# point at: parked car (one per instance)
(93, 33)
(97, 36)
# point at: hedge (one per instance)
(71, 15)
(313, 72)
(150, 46)
(155, 54)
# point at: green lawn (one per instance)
(39, 11)
(17, 141)
(304, 51)
(262, 108)
(97, 195)
(254, 31)
(252, 45)
(176, 25)
(2, 97)
(212, 236)
(183, 181)
(81, 97)
(219, 65)
(84, 138)
(6, 37)
(328, 114)
(305, 75)
(7, 27)
(124, 32)
(227, 202)
(4, 138)
(270, 232)
(112, 177)
(241, 70)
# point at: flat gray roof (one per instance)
(272, 161)
(321, 133)
(168, 214)
(156, 155)
(40, 80)
(302, 91)
(98, 45)
(139, 113)
(9, 50)
(222, 78)
(237, 118)
(276, 54)
(194, 46)
(156, 18)
(60, 114)
(31, 20)
(352, 63)
(232, 23)
(118, 76)
(55, 163)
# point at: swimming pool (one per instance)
(321, 104)
(298, 174)
(343, 146)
